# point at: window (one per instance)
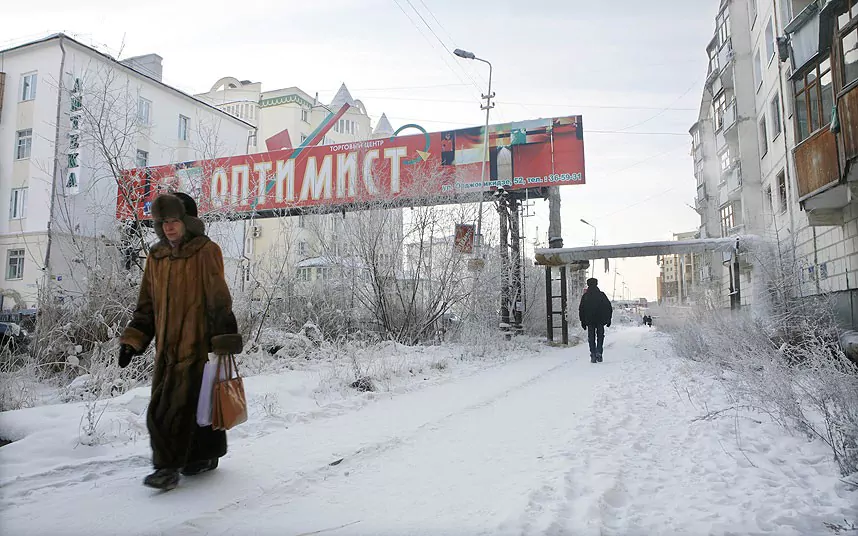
(758, 70)
(770, 42)
(727, 221)
(775, 110)
(763, 136)
(722, 27)
(305, 115)
(28, 86)
(851, 12)
(304, 274)
(724, 158)
(302, 248)
(719, 106)
(184, 127)
(782, 192)
(142, 159)
(769, 201)
(23, 144)
(144, 110)
(303, 138)
(18, 204)
(814, 99)
(849, 46)
(695, 139)
(15, 264)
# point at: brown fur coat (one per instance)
(185, 305)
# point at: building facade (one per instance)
(71, 117)
(775, 147)
(679, 275)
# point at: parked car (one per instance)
(13, 336)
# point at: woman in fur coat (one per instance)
(185, 305)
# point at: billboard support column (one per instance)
(503, 212)
(515, 254)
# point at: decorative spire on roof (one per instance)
(383, 128)
(342, 97)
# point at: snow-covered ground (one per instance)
(546, 443)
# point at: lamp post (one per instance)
(614, 292)
(464, 54)
(593, 267)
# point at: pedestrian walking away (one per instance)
(185, 305)
(595, 313)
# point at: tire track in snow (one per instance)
(288, 489)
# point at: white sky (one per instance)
(634, 70)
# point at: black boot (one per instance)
(163, 479)
(599, 357)
(196, 468)
(593, 357)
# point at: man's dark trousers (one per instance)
(596, 337)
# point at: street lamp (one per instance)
(592, 268)
(464, 54)
(614, 292)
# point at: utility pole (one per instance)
(515, 254)
(487, 107)
(503, 211)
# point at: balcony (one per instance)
(731, 120)
(725, 60)
(847, 107)
(820, 190)
(701, 200)
(730, 188)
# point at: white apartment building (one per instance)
(776, 142)
(309, 245)
(678, 279)
(70, 118)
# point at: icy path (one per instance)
(543, 445)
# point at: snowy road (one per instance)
(548, 444)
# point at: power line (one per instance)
(684, 93)
(449, 52)
(444, 57)
(449, 36)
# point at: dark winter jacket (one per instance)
(185, 305)
(595, 308)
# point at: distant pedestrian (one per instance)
(595, 313)
(185, 305)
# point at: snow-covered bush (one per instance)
(795, 372)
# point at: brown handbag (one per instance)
(229, 404)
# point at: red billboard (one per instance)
(421, 168)
(464, 238)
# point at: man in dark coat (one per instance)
(185, 305)
(595, 312)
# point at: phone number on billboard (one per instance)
(548, 179)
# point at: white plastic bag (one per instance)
(204, 404)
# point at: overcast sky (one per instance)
(634, 70)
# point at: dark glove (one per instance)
(608, 324)
(126, 352)
(583, 325)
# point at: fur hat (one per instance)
(176, 207)
(592, 282)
